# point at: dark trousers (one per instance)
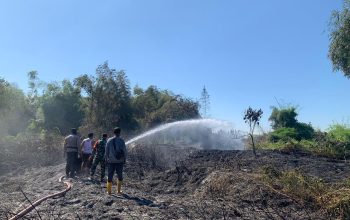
(115, 168)
(86, 160)
(101, 161)
(71, 165)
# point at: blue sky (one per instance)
(247, 53)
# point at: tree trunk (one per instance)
(253, 144)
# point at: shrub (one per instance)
(339, 132)
(283, 117)
(283, 134)
(305, 131)
(338, 138)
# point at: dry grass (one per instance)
(219, 186)
(332, 199)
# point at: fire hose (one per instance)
(39, 201)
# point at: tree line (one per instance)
(90, 102)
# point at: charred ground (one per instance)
(191, 184)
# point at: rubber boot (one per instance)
(109, 188)
(119, 186)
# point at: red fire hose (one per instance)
(39, 201)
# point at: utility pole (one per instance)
(205, 102)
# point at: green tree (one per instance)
(15, 111)
(286, 126)
(62, 107)
(108, 97)
(153, 107)
(283, 117)
(124, 112)
(34, 84)
(175, 109)
(87, 84)
(339, 47)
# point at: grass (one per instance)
(333, 199)
(335, 143)
(324, 148)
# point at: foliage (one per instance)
(283, 134)
(32, 124)
(15, 111)
(178, 108)
(94, 102)
(302, 131)
(322, 144)
(108, 97)
(34, 85)
(305, 131)
(61, 107)
(291, 135)
(339, 48)
(339, 132)
(153, 107)
(252, 117)
(286, 126)
(283, 117)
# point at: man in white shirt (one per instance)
(86, 152)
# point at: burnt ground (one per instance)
(205, 185)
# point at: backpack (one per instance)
(119, 154)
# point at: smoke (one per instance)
(13, 123)
(199, 133)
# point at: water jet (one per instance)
(200, 133)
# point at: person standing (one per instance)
(98, 153)
(86, 152)
(115, 157)
(71, 149)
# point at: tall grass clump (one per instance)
(332, 199)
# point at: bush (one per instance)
(305, 131)
(283, 134)
(283, 117)
(302, 131)
(339, 132)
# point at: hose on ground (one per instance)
(39, 201)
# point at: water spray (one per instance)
(195, 129)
